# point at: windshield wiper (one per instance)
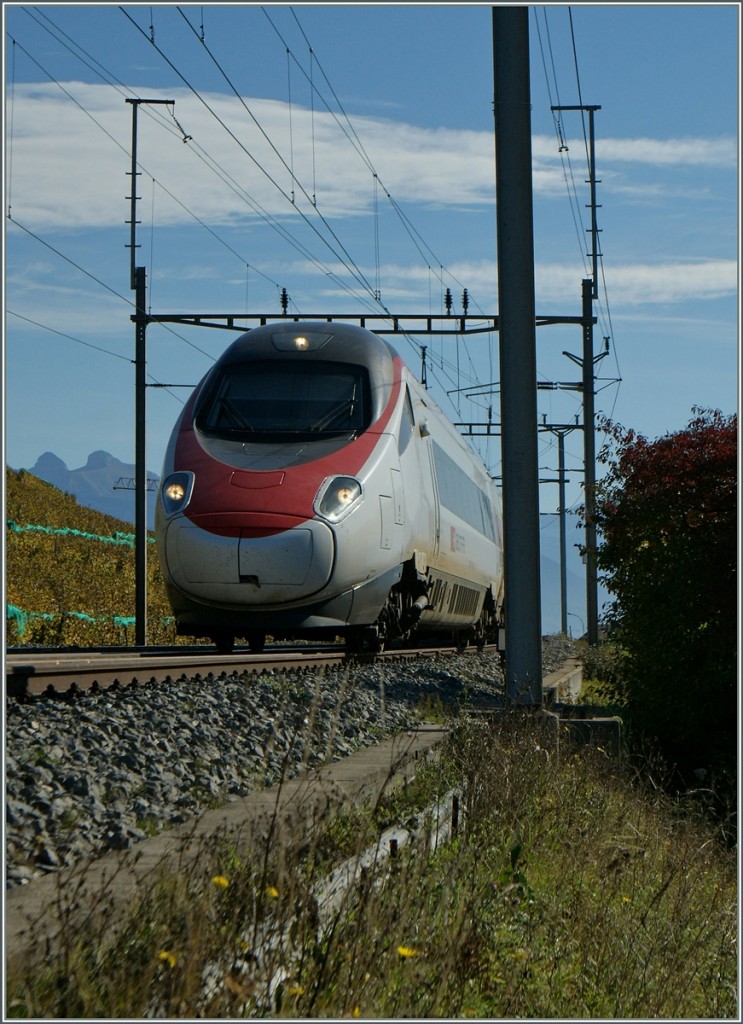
(237, 418)
(344, 409)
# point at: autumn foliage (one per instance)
(666, 514)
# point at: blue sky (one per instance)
(379, 119)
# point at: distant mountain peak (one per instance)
(101, 460)
(94, 483)
(49, 463)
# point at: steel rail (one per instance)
(60, 673)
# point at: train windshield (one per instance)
(274, 400)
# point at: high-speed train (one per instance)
(313, 489)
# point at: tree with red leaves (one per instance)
(666, 514)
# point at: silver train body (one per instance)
(312, 488)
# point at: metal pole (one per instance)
(592, 182)
(133, 197)
(594, 254)
(138, 283)
(589, 448)
(563, 545)
(515, 242)
(140, 462)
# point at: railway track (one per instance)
(30, 674)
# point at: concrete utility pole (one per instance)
(518, 376)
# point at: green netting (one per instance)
(123, 620)
(115, 538)
(22, 617)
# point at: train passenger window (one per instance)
(269, 400)
(461, 495)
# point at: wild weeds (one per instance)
(572, 889)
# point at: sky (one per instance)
(345, 153)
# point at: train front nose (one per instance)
(251, 564)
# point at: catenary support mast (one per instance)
(138, 283)
(518, 376)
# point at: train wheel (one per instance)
(257, 642)
(461, 639)
(224, 642)
(364, 640)
(353, 641)
(375, 640)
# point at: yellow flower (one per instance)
(167, 957)
(272, 891)
(407, 951)
(295, 990)
(220, 881)
(356, 1012)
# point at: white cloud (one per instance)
(69, 172)
(670, 152)
(638, 284)
(646, 283)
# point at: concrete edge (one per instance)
(565, 683)
(37, 913)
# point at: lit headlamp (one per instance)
(176, 491)
(338, 495)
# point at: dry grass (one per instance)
(573, 890)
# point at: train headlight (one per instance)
(176, 491)
(337, 496)
(302, 341)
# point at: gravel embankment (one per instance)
(106, 771)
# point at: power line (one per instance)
(70, 337)
(111, 80)
(103, 284)
(98, 348)
(350, 266)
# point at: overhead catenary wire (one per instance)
(351, 134)
(415, 236)
(111, 80)
(107, 77)
(374, 294)
(100, 71)
(124, 92)
(180, 203)
(346, 258)
(9, 179)
(88, 344)
(348, 129)
(102, 284)
(603, 309)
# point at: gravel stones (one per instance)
(106, 770)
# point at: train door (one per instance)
(415, 505)
(429, 488)
(435, 497)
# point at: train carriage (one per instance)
(312, 488)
